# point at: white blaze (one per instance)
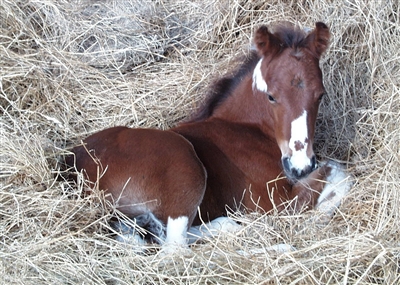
(258, 80)
(299, 138)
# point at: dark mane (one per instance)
(223, 87)
(290, 37)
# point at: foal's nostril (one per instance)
(294, 173)
(286, 164)
(313, 163)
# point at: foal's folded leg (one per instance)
(338, 184)
(212, 229)
(324, 188)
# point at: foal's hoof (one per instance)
(173, 250)
(129, 237)
(212, 229)
(339, 183)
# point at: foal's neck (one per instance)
(246, 107)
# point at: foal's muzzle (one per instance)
(293, 173)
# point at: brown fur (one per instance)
(229, 155)
(144, 170)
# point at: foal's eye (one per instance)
(321, 96)
(271, 99)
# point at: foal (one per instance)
(249, 147)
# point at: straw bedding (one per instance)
(71, 68)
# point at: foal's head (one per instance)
(288, 75)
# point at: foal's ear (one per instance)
(265, 41)
(318, 39)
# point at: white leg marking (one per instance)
(213, 228)
(298, 143)
(258, 79)
(176, 230)
(176, 234)
(339, 184)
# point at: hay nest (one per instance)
(70, 68)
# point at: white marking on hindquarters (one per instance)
(338, 185)
(258, 79)
(298, 143)
(176, 234)
(212, 229)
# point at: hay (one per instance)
(70, 68)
